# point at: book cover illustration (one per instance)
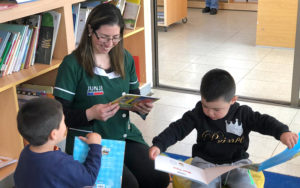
(44, 47)
(196, 174)
(130, 16)
(110, 174)
(127, 101)
(5, 161)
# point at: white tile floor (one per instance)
(172, 105)
(226, 40)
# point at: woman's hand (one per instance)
(154, 151)
(102, 111)
(143, 108)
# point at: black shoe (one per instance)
(213, 11)
(206, 10)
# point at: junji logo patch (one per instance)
(95, 90)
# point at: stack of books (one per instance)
(28, 40)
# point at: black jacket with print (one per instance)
(220, 141)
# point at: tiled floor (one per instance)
(172, 105)
(226, 40)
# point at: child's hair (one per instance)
(217, 83)
(37, 118)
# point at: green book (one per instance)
(6, 50)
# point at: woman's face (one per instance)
(105, 38)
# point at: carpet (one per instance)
(272, 180)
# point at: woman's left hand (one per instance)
(143, 108)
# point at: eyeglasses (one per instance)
(107, 39)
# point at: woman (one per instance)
(96, 73)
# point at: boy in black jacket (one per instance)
(223, 128)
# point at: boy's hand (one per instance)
(91, 138)
(153, 152)
(289, 139)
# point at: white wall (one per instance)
(148, 39)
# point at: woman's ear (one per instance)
(233, 100)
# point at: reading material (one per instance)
(130, 15)
(127, 101)
(4, 161)
(110, 174)
(167, 164)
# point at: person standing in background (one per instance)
(211, 6)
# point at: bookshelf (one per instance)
(250, 5)
(173, 11)
(11, 142)
(276, 23)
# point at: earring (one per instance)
(89, 34)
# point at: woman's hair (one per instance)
(37, 118)
(103, 14)
(217, 83)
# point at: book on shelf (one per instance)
(20, 47)
(196, 174)
(130, 15)
(75, 13)
(4, 5)
(137, 67)
(26, 92)
(160, 17)
(110, 174)
(5, 161)
(83, 14)
(127, 101)
(120, 4)
(45, 41)
(6, 52)
(134, 1)
(56, 21)
(4, 36)
(24, 1)
(11, 53)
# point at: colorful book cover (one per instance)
(20, 46)
(130, 16)
(110, 174)
(127, 101)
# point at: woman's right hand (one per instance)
(102, 111)
(91, 138)
(154, 151)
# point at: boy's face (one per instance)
(217, 109)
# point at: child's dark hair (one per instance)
(37, 118)
(217, 83)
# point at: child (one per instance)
(223, 128)
(41, 123)
(211, 6)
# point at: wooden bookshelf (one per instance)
(11, 142)
(276, 23)
(173, 10)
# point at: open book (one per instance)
(127, 101)
(170, 165)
